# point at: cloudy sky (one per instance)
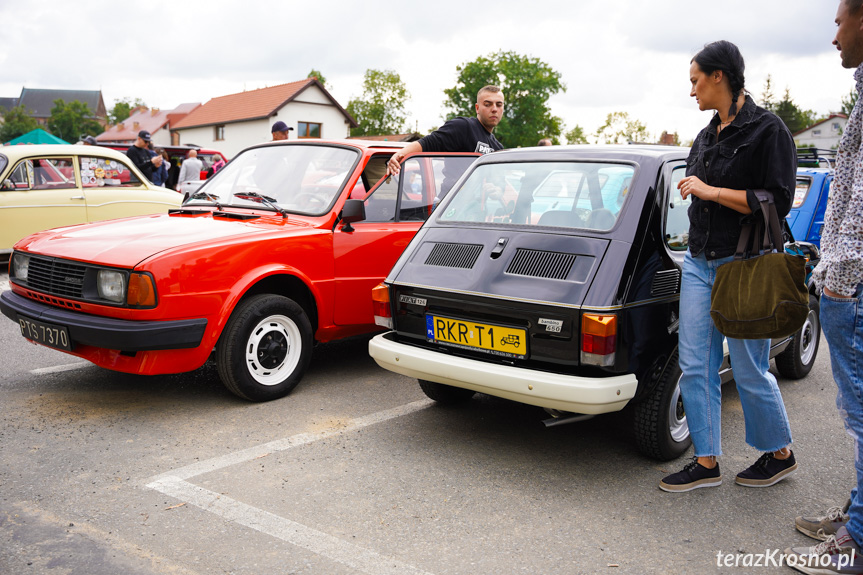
(617, 55)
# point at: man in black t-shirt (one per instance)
(461, 134)
(141, 156)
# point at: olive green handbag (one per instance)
(763, 296)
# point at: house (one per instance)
(157, 122)
(233, 122)
(824, 134)
(7, 104)
(39, 103)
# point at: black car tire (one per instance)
(799, 357)
(265, 348)
(661, 430)
(446, 394)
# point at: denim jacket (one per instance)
(754, 152)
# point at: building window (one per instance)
(835, 126)
(220, 132)
(308, 130)
(816, 132)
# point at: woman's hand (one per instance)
(691, 185)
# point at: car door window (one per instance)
(677, 216)
(102, 172)
(42, 174)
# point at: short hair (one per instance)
(725, 57)
(853, 5)
(496, 89)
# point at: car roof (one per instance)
(592, 152)
(357, 143)
(15, 153)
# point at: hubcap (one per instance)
(807, 338)
(273, 350)
(677, 425)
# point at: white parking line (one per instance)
(61, 368)
(174, 484)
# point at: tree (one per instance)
(381, 108)
(794, 117)
(527, 84)
(69, 120)
(619, 128)
(576, 136)
(16, 122)
(123, 109)
(320, 77)
(767, 101)
(848, 102)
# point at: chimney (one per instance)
(121, 126)
(135, 125)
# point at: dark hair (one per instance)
(853, 5)
(726, 57)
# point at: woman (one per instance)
(742, 149)
(160, 174)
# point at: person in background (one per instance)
(160, 175)
(545, 142)
(280, 131)
(743, 148)
(191, 169)
(88, 141)
(140, 155)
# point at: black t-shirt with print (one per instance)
(461, 135)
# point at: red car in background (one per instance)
(278, 250)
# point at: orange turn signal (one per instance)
(141, 291)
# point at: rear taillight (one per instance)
(598, 339)
(381, 306)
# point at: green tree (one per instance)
(123, 109)
(619, 128)
(381, 108)
(527, 84)
(794, 117)
(767, 100)
(69, 120)
(848, 102)
(16, 122)
(316, 74)
(576, 136)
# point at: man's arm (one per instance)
(394, 165)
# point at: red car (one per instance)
(278, 250)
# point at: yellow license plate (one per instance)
(494, 339)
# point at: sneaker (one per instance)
(825, 526)
(693, 476)
(767, 471)
(838, 554)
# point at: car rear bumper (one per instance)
(556, 391)
(108, 333)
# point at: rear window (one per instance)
(585, 195)
(801, 190)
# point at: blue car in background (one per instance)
(806, 218)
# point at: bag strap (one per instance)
(767, 227)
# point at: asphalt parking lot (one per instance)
(356, 472)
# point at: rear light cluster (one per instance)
(381, 306)
(598, 339)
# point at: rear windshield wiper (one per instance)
(260, 198)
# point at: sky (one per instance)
(614, 55)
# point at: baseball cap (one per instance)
(280, 127)
(90, 140)
(144, 135)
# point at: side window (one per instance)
(44, 174)
(101, 172)
(677, 218)
(20, 177)
(381, 205)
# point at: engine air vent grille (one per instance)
(454, 255)
(56, 277)
(665, 282)
(541, 264)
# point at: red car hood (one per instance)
(127, 242)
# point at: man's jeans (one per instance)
(701, 353)
(842, 322)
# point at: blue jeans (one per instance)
(701, 354)
(842, 322)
